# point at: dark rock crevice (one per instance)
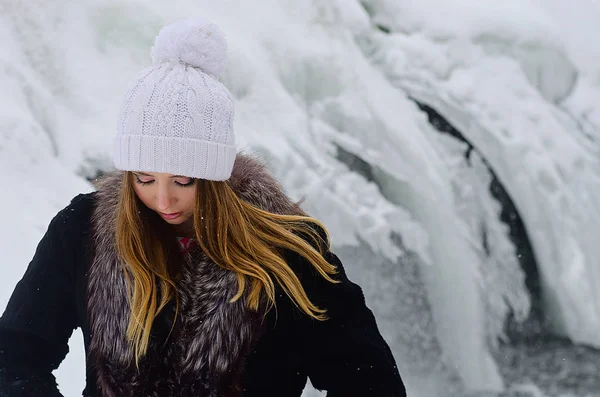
(509, 215)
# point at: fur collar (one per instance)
(205, 351)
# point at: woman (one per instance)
(189, 271)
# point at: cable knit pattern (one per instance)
(177, 117)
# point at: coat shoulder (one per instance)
(83, 202)
(73, 221)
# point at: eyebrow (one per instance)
(152, 176)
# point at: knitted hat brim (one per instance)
(178, 156)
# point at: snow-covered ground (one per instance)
(328, 91)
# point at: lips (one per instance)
(171, 216)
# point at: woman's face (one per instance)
(171, 196)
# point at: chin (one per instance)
(177, 221)
(173, 221)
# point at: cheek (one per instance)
(143, 196)
(190, 202)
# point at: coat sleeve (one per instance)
(345, 355)
(40, 316)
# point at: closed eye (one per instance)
(138, 180)
(187, 184)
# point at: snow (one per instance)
(325, 96)
(515, 20)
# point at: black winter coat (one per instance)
(216, 349)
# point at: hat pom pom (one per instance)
(193, 41)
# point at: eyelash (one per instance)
(190, 183)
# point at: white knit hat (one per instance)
(177, 117)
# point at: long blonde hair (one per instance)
(233, 233)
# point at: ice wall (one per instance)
(509, 75)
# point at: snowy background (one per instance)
(452, 147)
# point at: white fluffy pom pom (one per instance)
(193, 41)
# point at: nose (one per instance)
(164, 199)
